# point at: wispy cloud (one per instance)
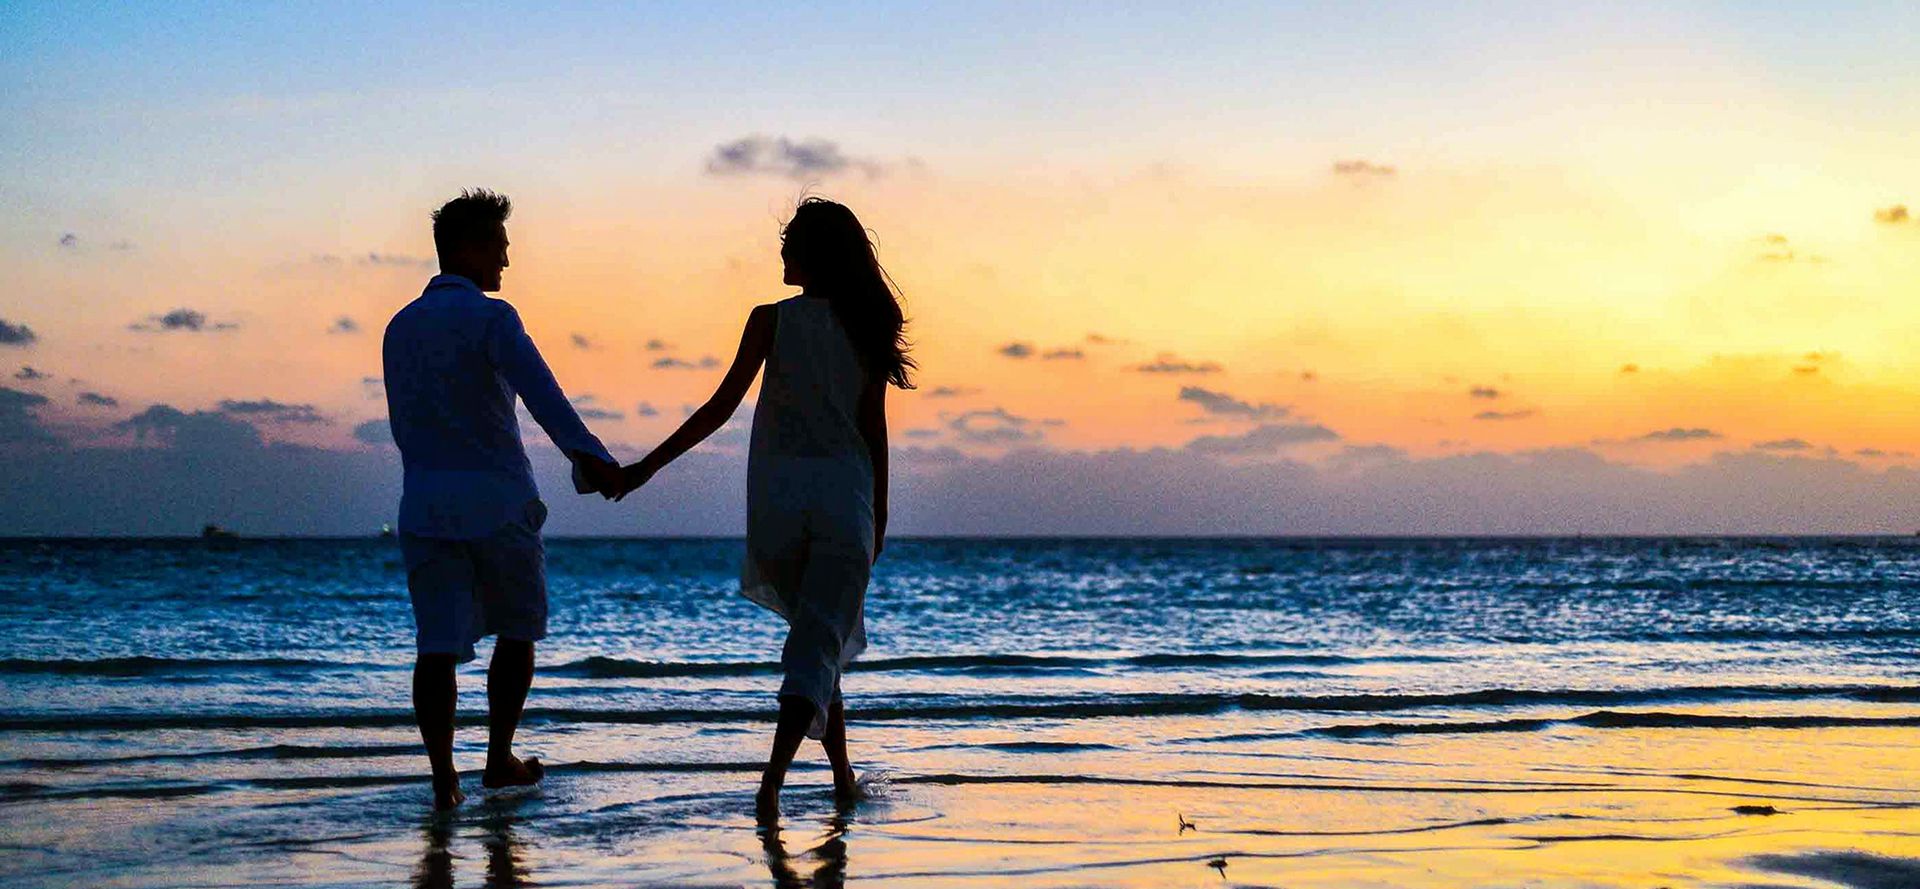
(781, 156)
(705, 363)
(1783, 444)
(1894, 215)
(1267, 439)
(272, 411)
(1487, 392)
(951, 391)
(344, 324)
(1063, 355)
(1222, 404)
(1362, 169)
(95, 399)
(1016, 350)
(30, 374)
(187, 320)
(580, 341)
(16, 334)
(1682, 433)
(1167, 363)
(994, 426)
(646, 409)
(1504, 415)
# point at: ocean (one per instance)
(1446, 712)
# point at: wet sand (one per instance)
(969, 805)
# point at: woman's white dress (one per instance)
(810, 501)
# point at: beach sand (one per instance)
(969, 805)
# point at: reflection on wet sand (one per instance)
(436, 862)
(506, 866)
(831, 855)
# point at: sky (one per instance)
(1205, 268)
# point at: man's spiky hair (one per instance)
(471, 217)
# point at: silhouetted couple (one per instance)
(470, 514)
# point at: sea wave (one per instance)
(1036, 707)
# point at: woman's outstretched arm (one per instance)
(873, 428)
(755, 341)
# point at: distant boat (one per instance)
(215, 532)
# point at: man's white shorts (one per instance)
(464, 590)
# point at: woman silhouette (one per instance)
(816, 470)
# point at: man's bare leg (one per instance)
(434, 693)
(509, 677)
(796, 713)
(846, 786)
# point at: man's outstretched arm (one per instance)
(526, 371)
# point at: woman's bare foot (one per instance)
(766, 803)
(446, 794)
(512, 772)
(846, 788)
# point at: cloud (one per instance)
(951, 391)
(705, 363)
(1894, 215)
(1063, 354)
(1679, 433)
(1103, 340)
(95, 399)
(30, 374)
(580, 341)
(374, 432)
(1483, 392)
(599, 413)
(374, 387)
(397, 259)
(1016, 350)
(1167, 363)
(1353, 456)
(194, 431)
(215, 468)
(1267, 439)
(1362, 169)
(1307, 376)
(1783, 444)
(344, 324)
(656, 346)
(1504, 415)
(995, 426)
(70, 240)
(646, 409)
(16, 335)
(921, 433)
(18, 423)
(781, 156)
(1629, 368)
(1222, 404)
(1777, 249)
(188, 320)
(271, 411)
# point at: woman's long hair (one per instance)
(829, 245)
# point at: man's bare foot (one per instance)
(512, 772)
(446, 794)
(766, 804)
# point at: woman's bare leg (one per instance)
(796, 713)
(845, 784)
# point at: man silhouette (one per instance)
(470, 515)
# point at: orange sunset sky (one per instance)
(1341, 245)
